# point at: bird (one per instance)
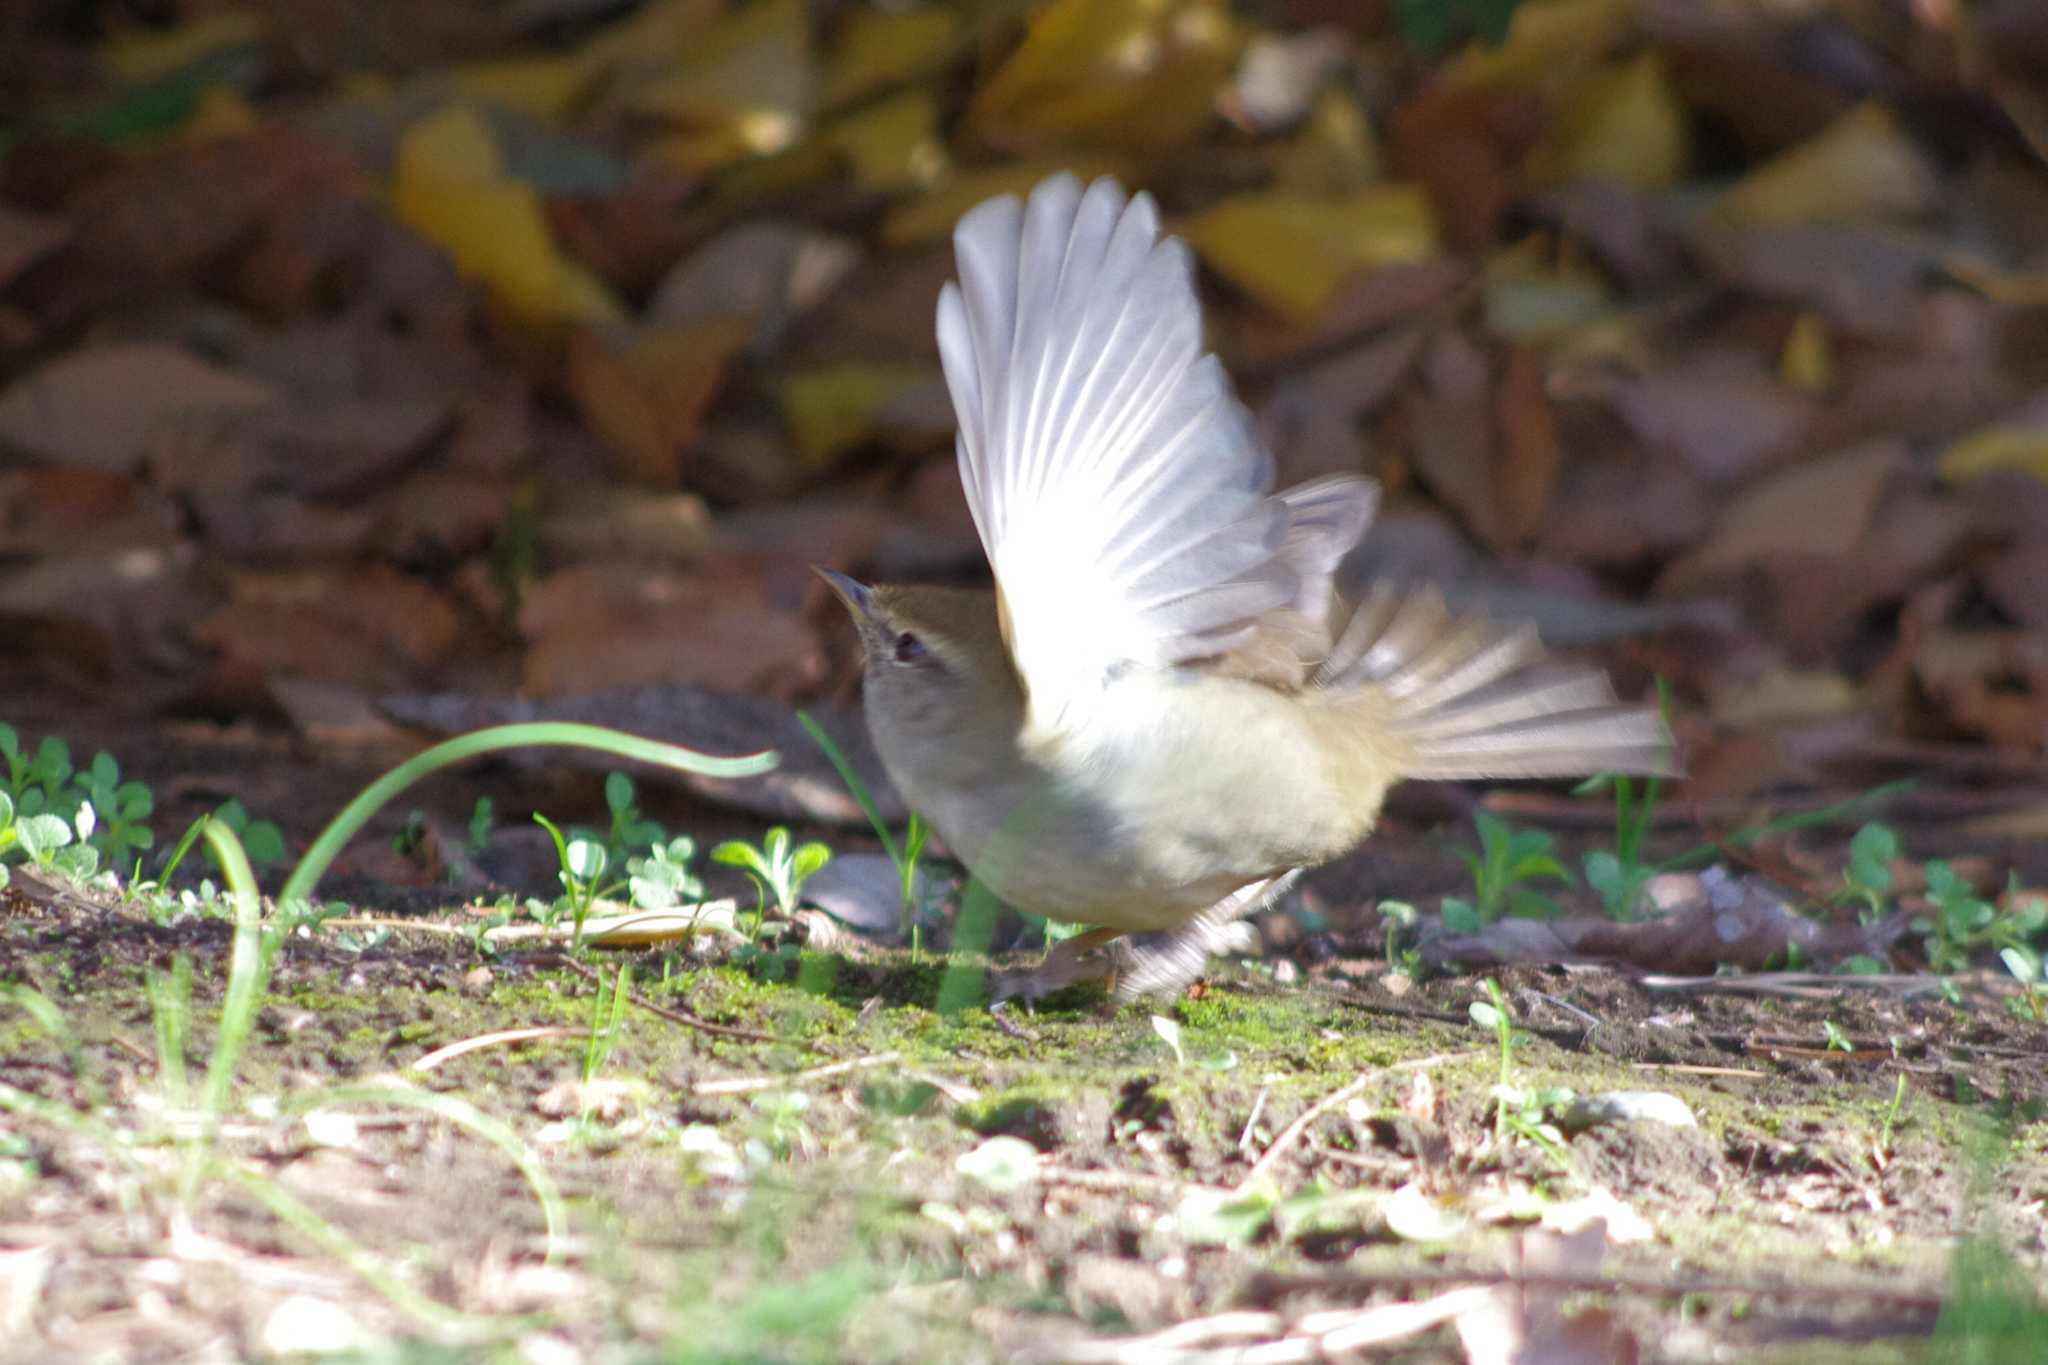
(1165, 708)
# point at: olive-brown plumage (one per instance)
(1165, 705)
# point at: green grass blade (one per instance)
(299, 887)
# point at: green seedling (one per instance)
(778, 867)
(607, 1014)
(905, 856)
(97, 808)
(583, 861)
(1399, 917)
(1506, 861)
(1962, 921)
(1891, 1115)
(662, 879)
(482, 818)
(1868, 878)
(1519, 1112)
(1838, 1041)
(2030, 969)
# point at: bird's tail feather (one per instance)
(1474, 700)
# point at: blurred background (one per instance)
(473, 351)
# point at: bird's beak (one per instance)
(851, 591)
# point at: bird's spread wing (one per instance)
(1126, 508)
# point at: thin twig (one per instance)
(742, 1085)
(1294, 1130)
(678, 1016)
(498, 1039)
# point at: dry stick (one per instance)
(679, 1016)
(1294, 1130)
(741, 1085)
(1266, 1288)
(500, 1038)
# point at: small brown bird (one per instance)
(1165, 708)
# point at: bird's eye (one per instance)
(909, 649)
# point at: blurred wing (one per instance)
(1124, 504)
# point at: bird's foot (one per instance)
(1067, 962)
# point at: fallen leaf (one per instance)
(365, 625)
(1807, 362)
(1547, 40)
(1294, 252)
(2022, 449)
(742, 86)
(1336, 150)
(831, 411)
(1623, 123)
(1529, 454)
(1817, 510)
(1861, 167)
(771, 271)
(100, 407)
(1723, 411)
(450, 186)
(932, 216)
(26, 238)
(646, 401)
(874, 49)
(604, 625)
(1132, 74)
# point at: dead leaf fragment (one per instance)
(26, 238)
(99, 408)
(1861, 167)
(646, 400)
(1295, 251)
(1818, 510)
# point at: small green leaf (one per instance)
(618, 791)
(42, 835)
(1460, 917)
(586, 860)
(1870, 857)
(809, 858)
(1484, 1014)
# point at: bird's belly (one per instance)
(1163, 804)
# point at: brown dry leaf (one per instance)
(1529, 455)
(1861, 167)
(26, 238)
(600, 626)
(366, 625)
(769, 270)
(1131, 74)
(167, 216)
(1990, 684)
(56, 511)
(1294, 252)
(1818, 510)
(595, 520)
(100, 408)
(1451, 432)
(646, 402)
(1461, 145)
(1724, 411)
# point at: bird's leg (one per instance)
(1063, 964)
(1166, 963)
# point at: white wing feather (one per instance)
(1124, 504)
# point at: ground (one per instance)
(822, 1184)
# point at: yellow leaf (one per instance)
(656, 35)
(145, 55)
(449, 186)
(894, 144)
(1808, 363)
(829, 411)
(1121, 73)
(875, 49)
(742, 88)
(1993, 449)
(220, 113)
(1623, 123)
(1859, 167)
(546, 87)
(1335, 151)
(930, 218)
(1547, 40)
(1293, 252)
